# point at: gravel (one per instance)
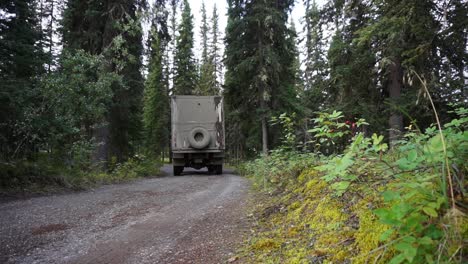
(193, 218)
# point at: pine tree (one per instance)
(173, 43)
(239, 121)
(352, 76)
(111, 28)
(156, 100)
(49, 14)
(185, 67)
(21, 65)
(404, 34)
(206, 83)
(265, 63)
(452, 43)
(316, 71)
(204, 30)
(215, 55)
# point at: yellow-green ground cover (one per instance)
(365, 205)
(308, 224)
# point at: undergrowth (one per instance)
(45, 175)
(367, 204)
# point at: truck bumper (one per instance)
(198, 159)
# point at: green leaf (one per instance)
(400, 210)
(435, 144)
(397, 259)
(385, 235)
(391, 195)
(412, 155)
(340, 187)
(425, 241)
(343, 185)
(407, 249)
(429, 259)
(430, 211)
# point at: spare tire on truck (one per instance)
(199, 138)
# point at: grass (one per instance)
(43, 176)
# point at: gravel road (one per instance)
(193, 218)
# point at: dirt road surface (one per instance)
(193, 218)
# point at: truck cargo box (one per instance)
(197, 124)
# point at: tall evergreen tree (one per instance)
(265, 65)
(352, 75)
(315, 71)
(266, 32)
(156, 101)
(21, 64)
(239, 121)
(451, 41)
(49, 14)
(173, 43)
(206, 83)
(215, 55)
(111, 28)
(404, 33)
(204, 30)
(185, 67)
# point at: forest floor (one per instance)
(193, 218)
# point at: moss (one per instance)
(367, 237)
(307, 175)
(266, 244)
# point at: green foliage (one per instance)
(76, 99)
(185, 70)
(21, 66)
(260, 74)
(277, 168)
(410, 180)
(47, 174)
(331, 133)
(156, 111)
(288, 128)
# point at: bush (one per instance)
(368, 204)
(43, 175)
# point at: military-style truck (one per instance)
(197, 133)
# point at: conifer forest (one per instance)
(350, 121)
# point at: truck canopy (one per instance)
(193, 113)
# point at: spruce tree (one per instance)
(21, 65)
(215, 54)
(185, 67)
(49, 14)
(206, 83)
(265, 63)
(239, 120)
(111, 28)
(403, 34)
(316, 71)
(452, 42)
(352, 88)
(156, 100)
(271, 59)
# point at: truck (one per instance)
(197, 133)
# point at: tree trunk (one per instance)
(264, 136)
(264, 122)
(101, 138)
(395, 84)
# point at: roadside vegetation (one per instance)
(44, 175)
(366, 203)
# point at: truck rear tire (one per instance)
(211, 169)
(178, 170)
(219, 169)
